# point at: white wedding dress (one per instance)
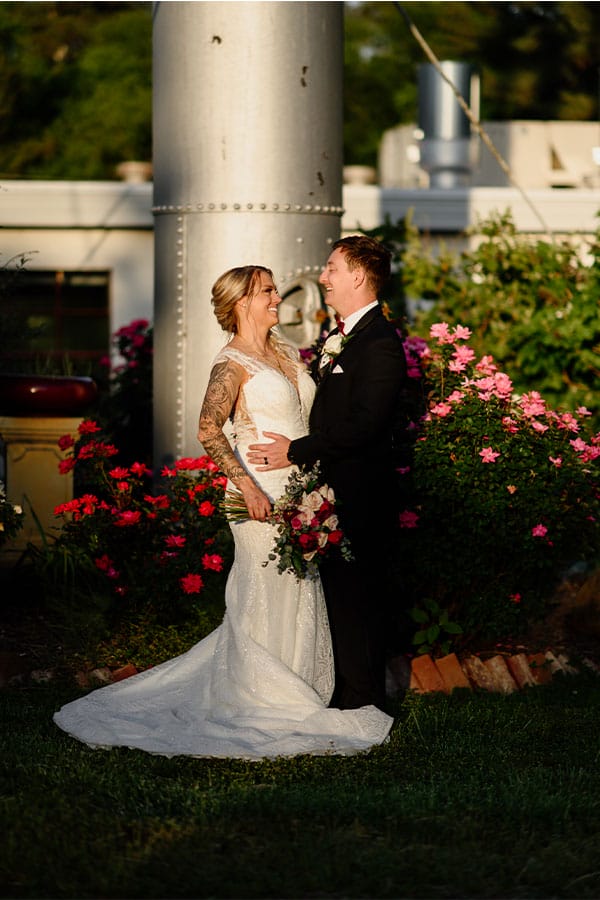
(259, 685)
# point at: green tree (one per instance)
(75, 78)
(75, 88)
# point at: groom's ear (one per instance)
(359, 276)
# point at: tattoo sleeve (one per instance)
(220, 398)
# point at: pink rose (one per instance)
(408, 519)
(488, 455)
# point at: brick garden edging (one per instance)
(498, 674)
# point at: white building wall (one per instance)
(109, 225)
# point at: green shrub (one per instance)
(532, 304)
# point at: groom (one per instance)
(356, 409)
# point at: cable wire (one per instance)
(472, 119)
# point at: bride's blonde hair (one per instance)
(229, 288)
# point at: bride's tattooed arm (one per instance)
(220, 398)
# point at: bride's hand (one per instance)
(257, 502)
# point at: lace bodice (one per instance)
(268, 401)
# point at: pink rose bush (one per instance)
(502, 496)
(138, 545)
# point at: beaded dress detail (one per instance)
(258, 686)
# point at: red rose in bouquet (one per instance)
(306, 521)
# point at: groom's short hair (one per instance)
(366, 253)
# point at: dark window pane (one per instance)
(48, 317)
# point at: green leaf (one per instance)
(433, 633)
(419, 615)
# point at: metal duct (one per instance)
(446, 146)
(247, 170)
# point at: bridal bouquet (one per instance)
(306, 521)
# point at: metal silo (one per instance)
(247, 169)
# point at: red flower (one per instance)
(325, 510)
(72, 506)
(200, 462)
(119, 472)
(88, 427)
(335, 536)
(128, 517)
(66, 465)
(161, 501)
(174, 540)
(88, 451)
(88, 503)
(308, 541)
(206, 508)
(191, 584)
(109, 450)
(105, 564)
(197, 489)
(213, 561)
(189, 463)
(140, 469)
(65, 442)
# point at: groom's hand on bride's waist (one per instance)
(271, 455)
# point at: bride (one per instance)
(260, 684)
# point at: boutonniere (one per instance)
(333, 346)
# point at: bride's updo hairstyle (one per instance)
(229, 288)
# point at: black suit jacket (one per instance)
(354, 421)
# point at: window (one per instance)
(54, 322)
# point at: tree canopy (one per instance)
(75, 88)
(76, 93)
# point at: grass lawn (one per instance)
(475, 795)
